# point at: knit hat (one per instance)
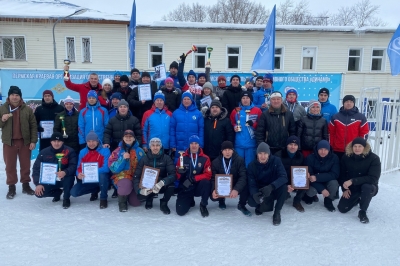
(201, 75)
(349, 98)
(293, 139)
(248, 94)
(208, 85)
(323, 90)
(187, 94)
(146, 74)
(92, 136)
(92, 93)
(124, 78)
(15, 90)
(263, 147)
(291, 90)
(174, 65)
(129, 132)
(221, 77)
(216, 103)
(69, 100)
(159, 95)
(226, 145)
(235, 76)
(117, 73)
(123, 102)
(360, 141)
(116, 95)
(191, 73)
(323, 144)
(269, 77)
(259, 77)
(155, 141)
(194, 138)
(275, 94)
(135, 70)
(107, 81)
(313, 102)
(169, 79)
(48, 92)
(56, 136)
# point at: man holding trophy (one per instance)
(262, 96)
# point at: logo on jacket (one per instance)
(194, 117)
(199, 164)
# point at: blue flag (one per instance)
(393, 52)
(265, 56)
(132, 36)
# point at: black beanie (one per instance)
(248, 94)
(235, 76)
(146, 74)
(56, 136)
(323, 90)
(135, 70)
(349, 97)
(360, 141)
(174, 65)
(15, 90)
(226, 145)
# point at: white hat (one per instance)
(69, 100)
(107, 81)
(276, 94)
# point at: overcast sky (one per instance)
(153, 10)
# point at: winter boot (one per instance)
(103, 204)
(288, 196)
(257, 210)
(26, 189)
(122, 203)
(276, 218)
(221, 204)
(94, 196)
(164, 206)
(57, 195)
(66, 203)
(11, 192)
(203, 210)
(329, 205)
(298, 206)
(149, 203)
(193, 203)
(244, 210)
(315, 198)
(363, 217)
(308, 200)
(115, 194)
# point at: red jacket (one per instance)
(203, 167)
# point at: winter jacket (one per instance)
(328, 110)
(311, 129)
(325, 169)
(217, 130)
(160, 161)
(46, 112)
(92, 117)
(106, 103)
(345, 126)
(296, 108)
(156, 124)
(71, 128)
(219, 92)
(114, 131)
(172, 98)
(136, 105)
(238, 171)
(99, 155)
(48, 155)
(28, 124)
(271, 173)
(202, 168)
(125, 92)
(259, 97)
(274, 128)
(83, 90)
(297, 160)
(245, 139)
(231, 98)
(361, 169)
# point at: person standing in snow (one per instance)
(262, 96)
(327, 109)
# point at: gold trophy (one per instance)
(66, 62)
(181, 168)
(63, 127)
(238, 126)
(247, 116)
(59, 156)
(209, 49)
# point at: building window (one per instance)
(354, 60)
(309, 56)
(12, 48)
(233, 57)
(200, 56)
(278, 58)
(378, 59)
(86, 50)
(155, 55)
(70, 48)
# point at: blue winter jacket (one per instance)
(156, 124)
(328, 110)
(92, 118)
(245, 139)
(259, 97)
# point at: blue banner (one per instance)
(393, 52)
(132, 36)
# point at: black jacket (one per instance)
(361, 169)
(125, 91)
(48, 155)
(238, 170)
(160, 161)
(274, 128)
(297, 160)
(135, 104)
(217, 130)
(46, 112)
(172, 98)
(231, 98)
(311, 129)
(116, 126)
(71, 128)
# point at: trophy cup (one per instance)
(193, 49)
(66, 62)
(209, 49)
(63, 127)
(247, 116)
(181, 169)
(59, 156)
(239, 127)
(266, 98)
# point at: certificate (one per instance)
(159, 72)
(48, 129)
(144, 92)
(91, 172)
(48, 173)
(223, 185)
(206, 101)
(299, 177)
(149, 177)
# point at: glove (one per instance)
(266, 191)
(257, 197)
(157, 187)
(183, 58)
(249, 123)
(40, 129)
(145, 191)
(82, 146)
(204, 109)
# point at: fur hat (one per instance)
(107, 81)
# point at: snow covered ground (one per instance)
(38, 232)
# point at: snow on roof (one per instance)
(44, 9)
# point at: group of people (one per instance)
(192, 131)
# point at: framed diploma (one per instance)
(48, 173)
(223, 185)
(144, 92)
(149, 177)
(160, 72)
(91, 172)
(299, 177)
(48, 129)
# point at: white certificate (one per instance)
(48, 173)
(299, 177)
(223, 185)
(144, 91)
(91, 172)
(159, 72)
(48, 129)
(149, 177)
(206, 101)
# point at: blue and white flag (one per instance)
(132, 36)
(393, 52)
(265, 56)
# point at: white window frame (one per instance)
(282, 56)
(150, 53)
(361, 58)
(383, 57)
(239, 57)
(13, 37)
(314, 68)
(197, 54)
(66, 47)
(91, 51)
